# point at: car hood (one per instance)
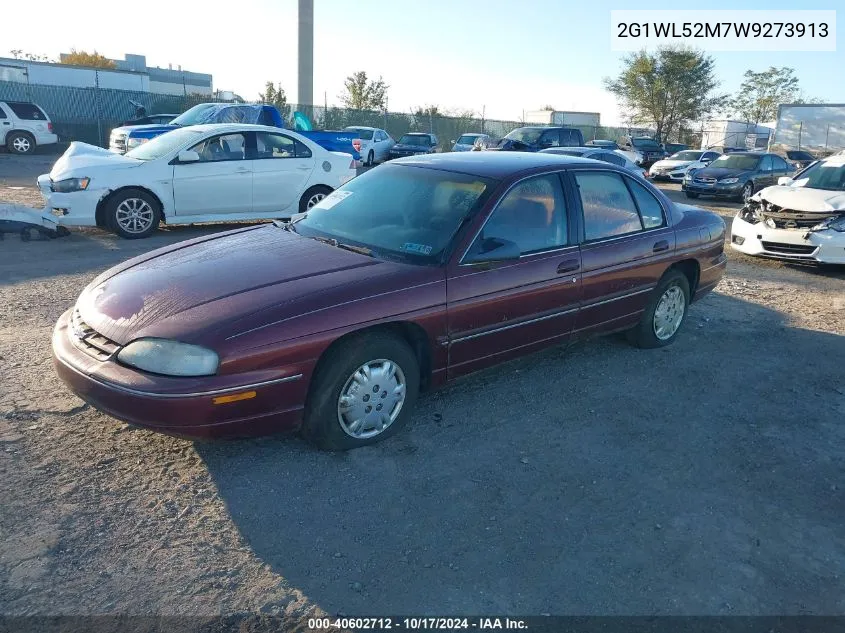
(673, 163)
(149, 129)
(80, 157)
(803, 199)
(210, 289)
(721, 172)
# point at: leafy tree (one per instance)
(760, 93)
(361, 93)
(666, 88)
(275, 95)
(429, 110)
(548, 107)
(83, 58)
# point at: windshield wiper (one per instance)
(362, 250)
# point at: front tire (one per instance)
(313, 196)
(133, 214)
(363, 391)
(691, 195)
(20, 143)
(747, 192)
(665, 313)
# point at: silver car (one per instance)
(615, 157)
(466, 142)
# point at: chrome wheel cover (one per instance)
(669, 313)
(21, 144)
(371, 399)
(134, 215)
(314, 199)
(747, 192)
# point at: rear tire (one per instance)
(665, 313)
(352, 383)
(133, 214)
(20, 143)
(691, 195)
(312, 196)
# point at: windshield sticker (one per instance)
(420, 249)
(332, 199)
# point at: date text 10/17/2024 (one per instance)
(417, 624)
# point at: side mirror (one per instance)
(706, 161)
(785, 181)
(188, 156)
(494, 249)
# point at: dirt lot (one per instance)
(704, 478)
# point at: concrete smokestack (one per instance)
(305, 94)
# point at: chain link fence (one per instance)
(89, 114)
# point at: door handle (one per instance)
(568, 266)
(662, 245)
(242, 170)
(304, 168)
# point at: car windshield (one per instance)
(527, 135)
(364, 135)
(736, 161)
(686, 156)
(796, 155)
(398, 211)
(194, 115)
(422, 141)
(164, 144)
(467, 139)
(645, 143)
(826, 174)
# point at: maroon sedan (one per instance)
(410, 275)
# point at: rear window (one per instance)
(27, 111)
(364, 135)
(467, 140)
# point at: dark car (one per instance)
(603, 144)
(674, 148)
(413, 144)
(648, 148)
(408, 276)
(737, 175)
(152, 119)
(533, 139)
(799, 158)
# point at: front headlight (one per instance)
(171, 358)
(69, 184)
(131, 143)
(728, 181)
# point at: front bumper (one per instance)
(78, 208)
(674, 175)
(826, 247)
(716, 189)
(180, 406)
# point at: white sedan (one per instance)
(375, 143)
(800, 219)
(677, 165)
(202, 173)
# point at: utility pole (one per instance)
(305, 92)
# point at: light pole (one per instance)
(305, 92)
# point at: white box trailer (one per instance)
(563, 117)
(817, 128)
(727, 133)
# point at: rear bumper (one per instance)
(46, 139)
(824, 247)
(183, 407)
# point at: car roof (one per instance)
(492, 164)
(234, 127)
(418, 134)
(361, 127)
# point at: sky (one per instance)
(500, 56)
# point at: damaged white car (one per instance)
(802, 218)
(202, 173)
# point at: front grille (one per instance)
(789, 219)
(88, 340)
(789, 249)
(706, 180)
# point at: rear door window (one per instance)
(766, 163)
(27, 111)
(651, 211)
(609, 210)
(2, 114)
(610, 157)
(550, 138)
(779, 164)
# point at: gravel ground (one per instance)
(703, 478)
